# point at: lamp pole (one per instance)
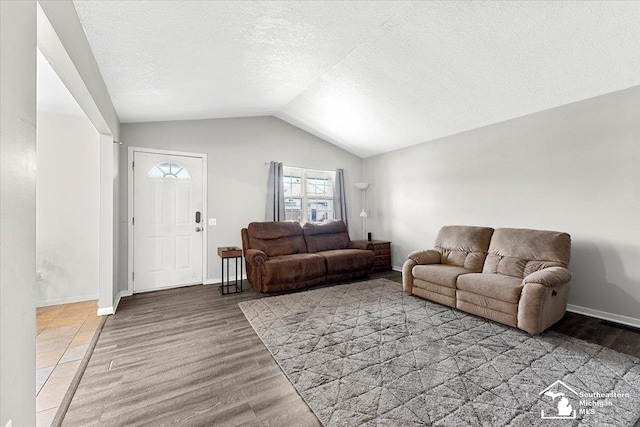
(362, 186)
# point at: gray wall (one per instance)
(17, 211)
(237, 150)
(573, 168)
(68, 209)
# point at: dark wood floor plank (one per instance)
(188, 356)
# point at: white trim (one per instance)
(398, 269)
(105, 311)
(205, 206)
(163, 288)
(218, 280)
(107, 205)
(612, 317)
(120, 295)
(67, 300)
(112, 310)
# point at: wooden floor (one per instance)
(188, 357)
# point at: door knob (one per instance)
(198, 229)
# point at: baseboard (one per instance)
(398, 269)
(126, 293)
(617, 318)
(105, 311)
(69, 300)
(218, 280)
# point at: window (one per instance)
(171, 170)
(308, 195)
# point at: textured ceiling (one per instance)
(368, 76)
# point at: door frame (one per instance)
(130, 201)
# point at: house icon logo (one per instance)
(561, 396)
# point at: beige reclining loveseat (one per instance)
(514, 276)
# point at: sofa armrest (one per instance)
(429, 256)
(255, 257)
(550, 277)
(407, 276)
(361, 244)
(541, 306)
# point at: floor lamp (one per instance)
(362, 186)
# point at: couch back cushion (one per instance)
(327, 236)
(518, 252)
(276, 238)
(464, 246)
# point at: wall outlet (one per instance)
(212, 221)
(38, 275)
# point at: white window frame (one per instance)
(304, 173)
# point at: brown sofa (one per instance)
(514, 276)
(283, 255)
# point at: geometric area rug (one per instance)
(369, 354)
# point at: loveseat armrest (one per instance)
(255, 257)
(361, 244)
(550, 277)
(429, 256)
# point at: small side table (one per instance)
(381, 255)
(227, 253)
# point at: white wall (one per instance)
(62, 40)
(17, 211)
(237, 150)
(68, 209)
(573, 168)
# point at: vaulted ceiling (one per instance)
(368, 76)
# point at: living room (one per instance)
(564, 159)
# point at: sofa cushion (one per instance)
(327, 236)
(443, 275)
(292, 268)
(347, 260)
(463, 246)
(496, 286)
(276, 238)
(519, 252)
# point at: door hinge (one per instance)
(133, 221)
(133, 165)
(133, 275)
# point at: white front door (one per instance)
(168, 220)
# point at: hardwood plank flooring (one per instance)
(188, 356)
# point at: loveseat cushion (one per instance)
(496, 286)
(292, 268)
(443, 275)
(327, 236)
(276, 238)
(518, 252)
(463, 246)
(347, 260)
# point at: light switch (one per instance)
(212, 221)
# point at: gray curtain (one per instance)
(340, 197)
(275, 193)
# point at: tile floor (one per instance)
(63, 334)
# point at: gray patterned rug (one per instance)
(368, 354)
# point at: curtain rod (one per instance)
(309, 169)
